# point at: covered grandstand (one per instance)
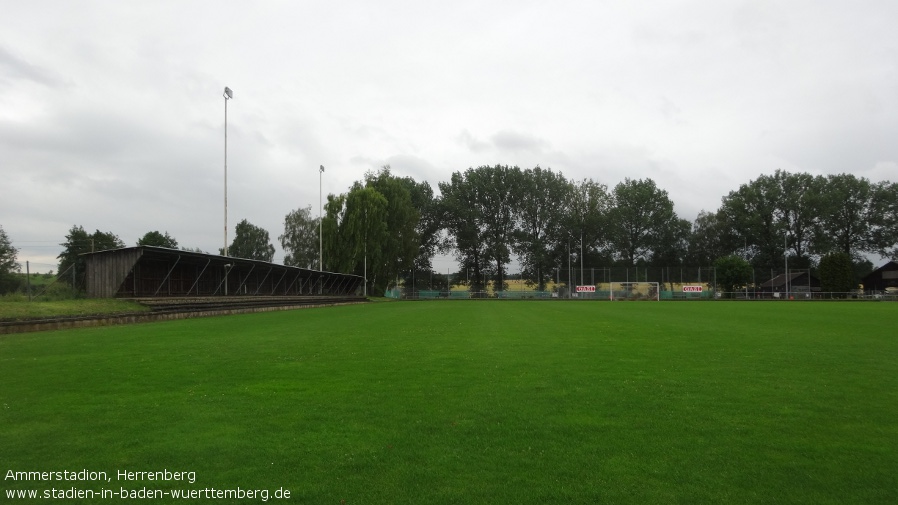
(154, 272)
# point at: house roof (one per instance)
(781, 279)
(891, 265)
(884, 276)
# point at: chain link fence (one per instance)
(674, 283)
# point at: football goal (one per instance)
(634, 291)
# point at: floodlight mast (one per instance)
(320, 239)
(228, 94)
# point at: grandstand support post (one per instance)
(345, 289)
(329, 287)
(290, 286)
(263, 281)
(339, 288)
(275, 287)
(245, 278)
(172, 269)
(220, 284)
(198, 277)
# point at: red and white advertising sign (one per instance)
(692, 289)
(586, 289)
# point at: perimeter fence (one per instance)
(663, 295)
(594, 283)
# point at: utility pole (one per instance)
(786, 256)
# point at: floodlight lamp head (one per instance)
(321, 168)
(228, 93)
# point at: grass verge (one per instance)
(19, 308)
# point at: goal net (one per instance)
(634, 291)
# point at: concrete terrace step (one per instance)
(162, 309)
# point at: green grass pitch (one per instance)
(471, 402)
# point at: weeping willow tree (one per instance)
(353, 230)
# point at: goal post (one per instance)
(634, 291)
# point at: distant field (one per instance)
(520, 285)
(471, 402)
(37, 279)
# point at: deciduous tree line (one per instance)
(386, 226)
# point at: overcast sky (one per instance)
(112, 115)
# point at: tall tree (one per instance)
(731, 272)
(8, 263)
(337, 257)
(837, 273)
(751, 216)
(639, 219)
(466, 226)
(300, 241)
(586, 226)
(798, 207)
(430, 222)
(499, 188)
(156, 239)
(710, 239)
(250, 242)
(848, 216)
(541, 204)
(672, 243)
(399, 248)
(78, 242)
(354, 228)
(885, 210)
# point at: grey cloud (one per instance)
(21, 69)
(472, 143)
(514, 141)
